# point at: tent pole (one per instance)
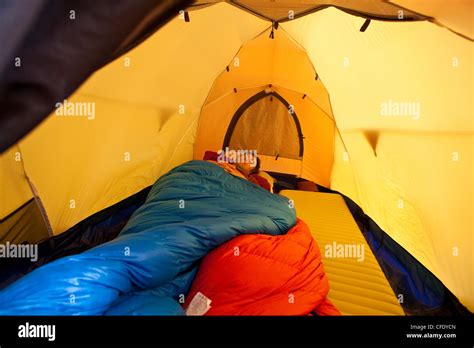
(36, 197)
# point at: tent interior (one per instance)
(370, 100)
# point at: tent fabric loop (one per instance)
(364, 26)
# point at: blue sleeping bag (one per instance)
(149, 267)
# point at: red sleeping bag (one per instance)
(258, 274)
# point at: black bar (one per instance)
(226, 330)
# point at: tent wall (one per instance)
(21, 219)
(413, 171)
(24, 225)
(14, 188)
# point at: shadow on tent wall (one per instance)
(423, 293)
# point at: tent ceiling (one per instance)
(457, 16)
(280, 10)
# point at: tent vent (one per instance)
(365, 25)
(263, 123)
(186, 16)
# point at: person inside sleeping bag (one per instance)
(272, 267)
(189, 211)
(247, 168)
(258, 274)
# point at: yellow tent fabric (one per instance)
(15, 190)
(388, 122)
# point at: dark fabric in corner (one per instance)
(59, 53)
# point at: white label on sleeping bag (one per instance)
(199, 305)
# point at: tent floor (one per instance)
(357, 287)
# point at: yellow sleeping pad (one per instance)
(357, 284)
